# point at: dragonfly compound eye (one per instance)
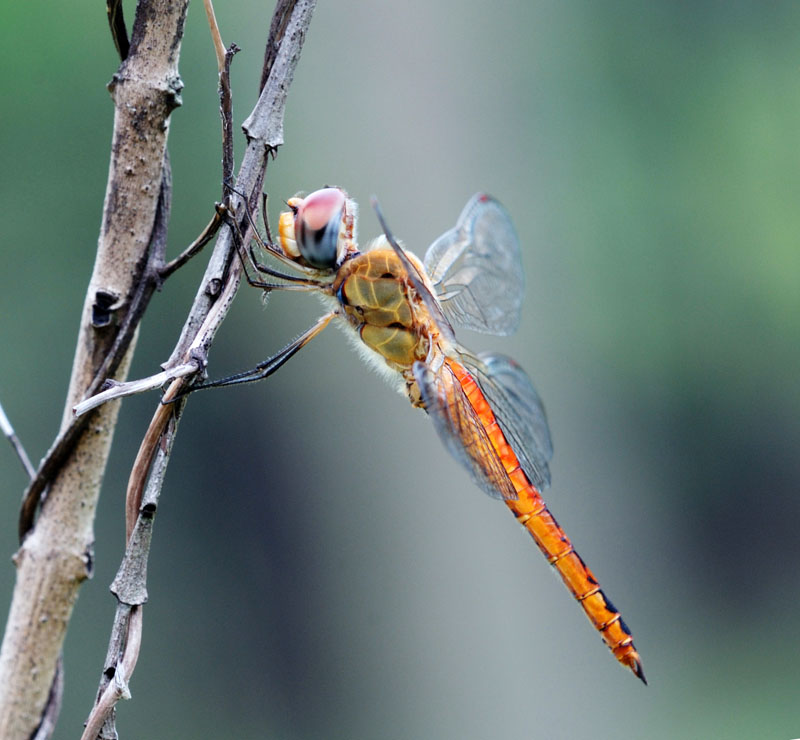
(318, 225)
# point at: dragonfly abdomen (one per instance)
(531, 511)
(534, 515)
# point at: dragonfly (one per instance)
(400, 313)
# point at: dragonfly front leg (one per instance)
(270, 365)
(292, 282)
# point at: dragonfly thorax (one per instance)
(380, 304)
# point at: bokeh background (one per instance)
(321, 568)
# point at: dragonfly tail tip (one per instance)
(630, 659)
(638, 671)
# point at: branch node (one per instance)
(106, 302)
(213, 287)
(129, 584)
(88, 560)
(121, 686)
(174, 87)
(200, 356)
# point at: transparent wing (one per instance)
(518, 409)
(476, 269)
(461, 430)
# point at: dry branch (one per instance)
(56, 555)
(264, 129)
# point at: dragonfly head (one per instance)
(320, 228)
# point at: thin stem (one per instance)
(216, 36)
(131, 387)
(194, 248)
(11, 436)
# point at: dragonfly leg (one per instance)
(270, 365)
(247, 255)
(190, 251)
(265, 214)
(253, 268)
(269, 246)
(265, 285)
(294, 282)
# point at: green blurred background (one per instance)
(321, 567)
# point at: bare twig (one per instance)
(10, 434)
(194, 248)
(53, 705)
(116, 23)
(224, 58)
(226, 113)
(216, 36)
(117, 686)
(264, 129)
(112, 318)
(142, 385)
(56, 554)
(280, 18)
(129, 586)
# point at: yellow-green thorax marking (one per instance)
(383, 307)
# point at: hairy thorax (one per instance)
(383, 308)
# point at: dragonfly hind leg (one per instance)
(270, 365)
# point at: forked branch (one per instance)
(56, 556)
(264, 129)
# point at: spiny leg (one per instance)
(294, 282)
(265, 216)
(270, 365)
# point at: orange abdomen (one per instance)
(531, 511)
